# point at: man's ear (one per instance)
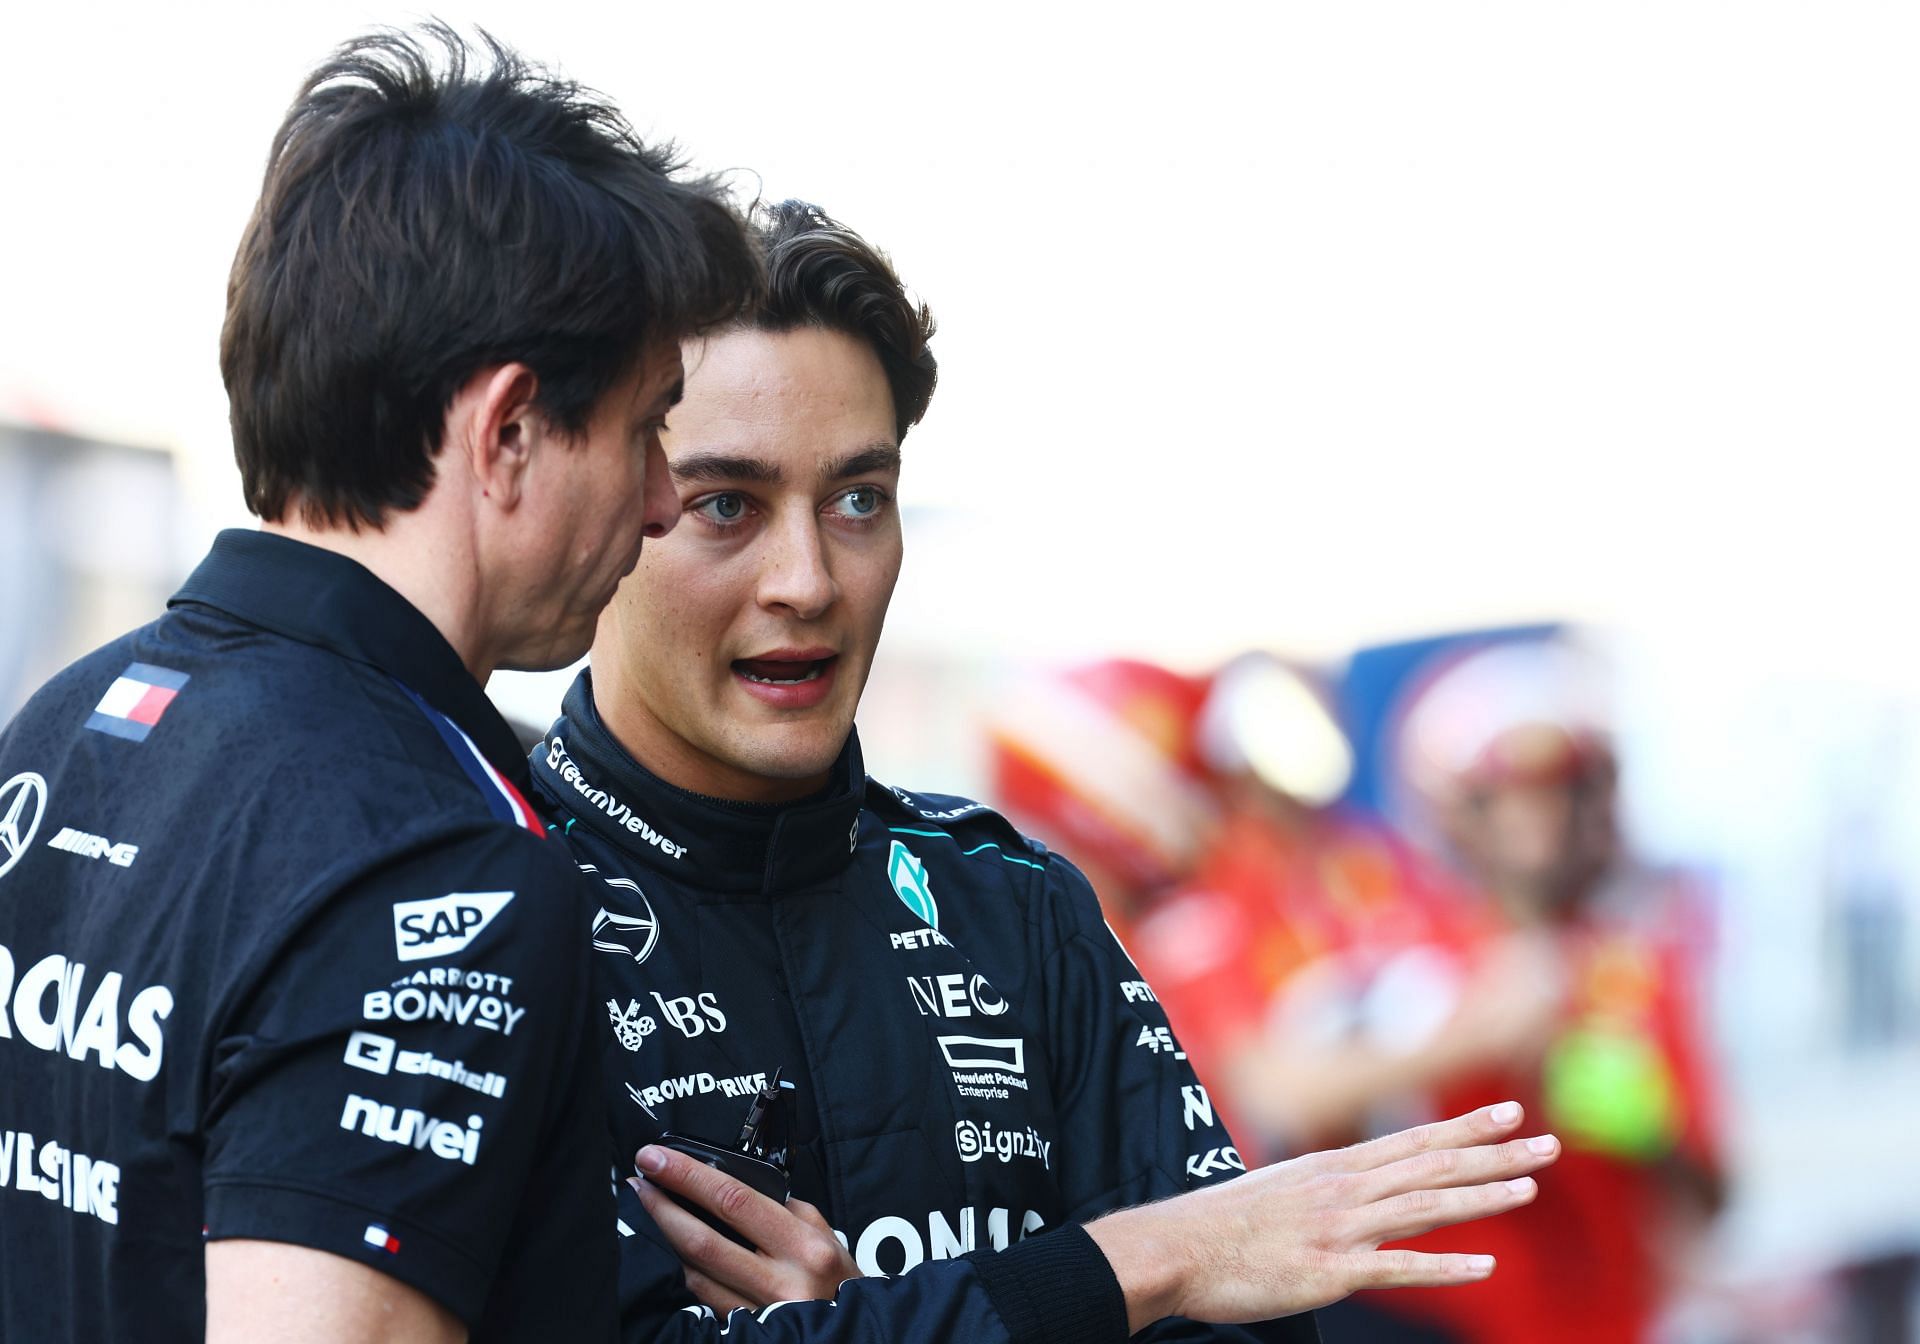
(493, 423)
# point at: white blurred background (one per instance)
(1295, 329)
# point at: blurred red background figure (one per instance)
(1333, 980)
(1507, 751)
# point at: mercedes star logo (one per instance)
(22, 799)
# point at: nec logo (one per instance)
(955, 995)
(443, 925)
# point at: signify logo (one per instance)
(413, 1129)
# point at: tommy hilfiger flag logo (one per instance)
(136, 700)
(380, 1239)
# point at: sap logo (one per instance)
(893, 1245)
(94, 847)
(412, 1004)
(917, 939)
(381, 1054)
(1137, 991)
(1198, 1105)
(443, 925)
(72, 1180)
(78, 1031)
(695, 1085)
(955, 995)
(413, 1129)
(692, 1017)
(630, 1027)
(974, 1140)
(1202, 1165)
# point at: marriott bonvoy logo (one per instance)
(618, 812)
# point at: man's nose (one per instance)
(797, 574)
(659, 505)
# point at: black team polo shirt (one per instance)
(284, 956)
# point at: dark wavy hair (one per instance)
(820, 273)
(432, 207)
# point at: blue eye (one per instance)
(722, 509)
(863, 501)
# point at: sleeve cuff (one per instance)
(397, 1247)
(1054, 1289)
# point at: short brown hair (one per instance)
(820, 273)
(422, 220)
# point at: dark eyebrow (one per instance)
(874, 457)
(720, 465)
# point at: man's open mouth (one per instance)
(783, 671)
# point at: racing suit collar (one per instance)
(318, 597)
(716, 847)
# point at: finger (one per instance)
(715, 1294)
(1489, 1124)
(809, 1215)
(733, 1202)
(698, 1246)
(1441, 1168)
(1420, 1211)
(1416, 1269)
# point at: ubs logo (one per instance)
(23, 800)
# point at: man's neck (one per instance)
(424, 563)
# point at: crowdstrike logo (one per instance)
(443, 925)
(605, 803)
(72, 1180)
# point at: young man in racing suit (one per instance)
(971, 1065)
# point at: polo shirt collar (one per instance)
(319, 597)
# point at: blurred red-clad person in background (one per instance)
(1332, 981)
(1507, 752)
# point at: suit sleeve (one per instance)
(1143, 1123)
(1051, 1289)
(401, 1079)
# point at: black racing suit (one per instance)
(976, 1059)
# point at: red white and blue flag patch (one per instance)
(503, 799)
(136, 700)
(380, 1239)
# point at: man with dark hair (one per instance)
(923, 1008)
(293, 1031)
